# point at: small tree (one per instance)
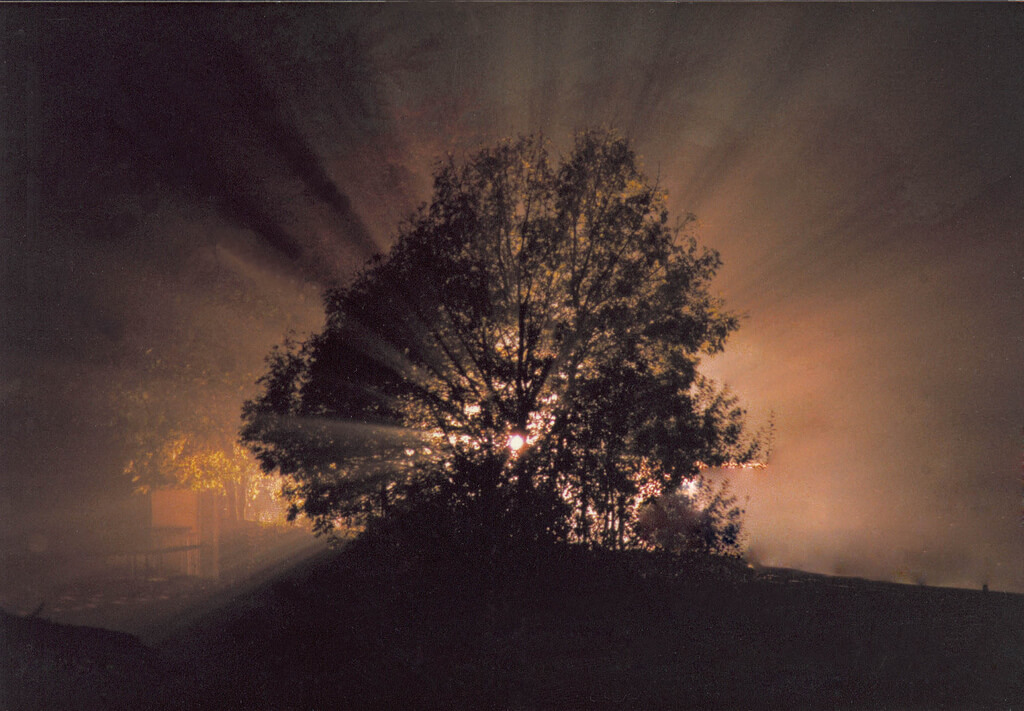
(529, 347)
(182, 460)
(168, 442)
(700, 517)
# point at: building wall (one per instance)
(185, 532)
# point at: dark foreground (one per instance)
(560, 629)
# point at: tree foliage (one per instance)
(168, 441)
(700, 516)
(553, 302)
(181, 459)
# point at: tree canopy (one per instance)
(528, 348)
(170, 441)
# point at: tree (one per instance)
(700, 517)
(183, 460)
(170, 441)
(528, 350)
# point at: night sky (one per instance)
(180, 181)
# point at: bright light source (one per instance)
(516, 442)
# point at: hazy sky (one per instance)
(179, 181)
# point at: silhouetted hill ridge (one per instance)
(568, 628)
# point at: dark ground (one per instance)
(554, 629)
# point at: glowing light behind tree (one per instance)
(555, 303)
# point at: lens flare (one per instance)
(516, 442)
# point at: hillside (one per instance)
(566, 628)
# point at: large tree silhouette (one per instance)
(528, 350)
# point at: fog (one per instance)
(180, 182)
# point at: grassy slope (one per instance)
(571, 629)
(45, 666)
